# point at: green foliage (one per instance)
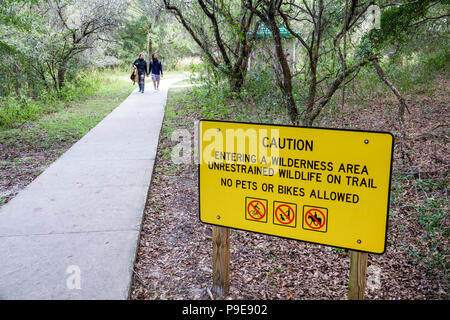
(437, 62)
(400, 24)
(396, 21)
(205, 73)
(149, 28)
(16, 110)
(213, 106)
(84, 84)
(335, 250)
(432, 217)
(11, 13)
(261, 85)
(412, 71)
(258, 101)
(45, 49)
(429, 219)
(172, 43)
(71, 120)
(132, 39)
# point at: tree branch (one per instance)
(397, 93)
(176, 11)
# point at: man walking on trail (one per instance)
(156, 70)
(141, 65)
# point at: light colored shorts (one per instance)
(156, 77)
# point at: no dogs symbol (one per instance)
(285, 214)
(315, 218)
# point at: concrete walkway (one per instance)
(73, 232)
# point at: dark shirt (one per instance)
(156, 67)
(141, 66)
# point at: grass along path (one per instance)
(28, 150)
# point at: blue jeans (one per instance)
(141, 81)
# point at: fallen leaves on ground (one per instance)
(174, 259)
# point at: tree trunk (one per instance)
(397, 93)
(150, 42)
(16, 79)
(308, 119)
(401, 111)
(61, 77)
(286, 72)
(236, 83)
(237, 79)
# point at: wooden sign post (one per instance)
(357, 277)
(221, 261)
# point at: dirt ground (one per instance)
(174, 259)
(21, 163)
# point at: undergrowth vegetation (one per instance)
(17, 109)
(48, 126)
(419, 196)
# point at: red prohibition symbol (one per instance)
(315, 219)
(287, 214)
(256, 209)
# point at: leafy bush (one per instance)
(432, 217)
(16, 110)
(83, 85)
(262, 86)
(437, 62)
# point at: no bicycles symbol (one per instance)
(256, 209)
(315, 219)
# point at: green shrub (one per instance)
(437, 62)
(83, 85)
(16, 110)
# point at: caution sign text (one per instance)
(325, 186)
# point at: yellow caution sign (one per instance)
(326, 186)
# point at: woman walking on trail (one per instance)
(141, 65)
(156, 69)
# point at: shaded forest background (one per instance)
(52, 50)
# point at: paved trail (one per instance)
(78, 223)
